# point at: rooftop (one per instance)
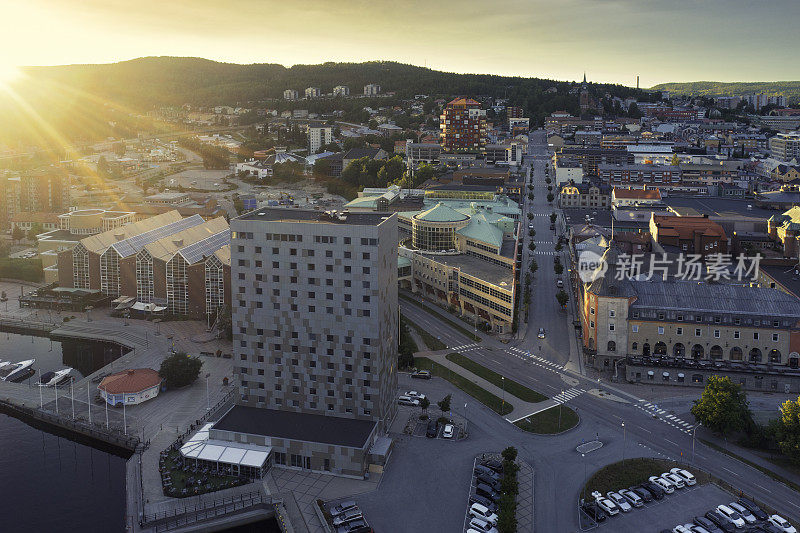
(637, 194)
(130, 381)
(473, 266)
(289, 214)
(100, 242)
(306, 427)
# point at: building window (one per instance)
(635, 328)
(660, 330)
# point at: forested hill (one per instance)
(153, 81)
(715, 88)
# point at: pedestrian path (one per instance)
(535, 359)
(543, 252)
(568, 395)
(661, 414)
(465, 347)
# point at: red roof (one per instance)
(637, 194)
(130, 381)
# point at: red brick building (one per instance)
(463, 125)
(691, 235)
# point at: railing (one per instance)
(203, 511)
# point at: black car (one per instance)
(486, 502)
(487, 492)
(481, 470)
(643, 493)
(594, 511)
(753, 508)
(487, 480)
(493, 464)
(706, 524)
(655, 490)
(770, 528)
(433, 429)
(721, 522)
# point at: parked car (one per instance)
(487, 492)
(343, 507)
(486, 502)
(753, 508)
(721, 522)
(685, 475)
(666, 486)
(605, 504)
(707, 524)
(491, 482)
(477, 510)
(493, 464)
(620, 501)
(541, 333)
(433, 429)
(681, 529)
(643, 493)
(422, 374)
(731, 515)
(743, 512)
(362, 529)
(351, 527)
(780, 522)
(633, 498)
(768, 527)
(560, 284)
(447, 433)
(407, 400)
(416, 395)
(675, 480)
(594, 512)
(482, 526)
(347, 516)
(697, 529)
(656, 490)
(486, 471)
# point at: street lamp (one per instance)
(694, 429)
(503, 381)
(583, 491)
(624, 434)
(208, 404)
(559, 412)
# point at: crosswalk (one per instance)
(535, 359)
(661, 414)
(466, 347)
(544, 252)
(567, 395)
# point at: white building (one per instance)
(341, 90)
(318, 136)
(290, 94)
(130, 387)
(372, 89)
(313, 92)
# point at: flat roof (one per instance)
(717, 207)
(478, 268)
(308, 427)
(289, 214)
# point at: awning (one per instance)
(649, 372)
(139, 306)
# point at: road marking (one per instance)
(646, 430)
(731, 471)
(762, 488)
(673, 443)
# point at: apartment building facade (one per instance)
(319, 136)
(463, 125)
(785, 146)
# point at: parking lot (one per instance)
(678, 508)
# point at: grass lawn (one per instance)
(454, 325)
(635, 471)
(512, 387)
(430, 341)
(547, 422)
(482, 395)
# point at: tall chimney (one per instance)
(637, 82)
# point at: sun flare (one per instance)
(8, 74)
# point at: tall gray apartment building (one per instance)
(315, 325)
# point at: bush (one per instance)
(179, 370)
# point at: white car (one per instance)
(478, 524)
(697, 529)
(447, 433)
(681, 529)
(480, 511)
(668, 488)
(632, 497)
(605, 504)
(743, 512)
(620, 501)
(687, 476)
(780, 522)
(675, 479)
(416, 395)
(732, 516)
(405, 400)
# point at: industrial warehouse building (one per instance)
(182, 264)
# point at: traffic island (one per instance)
(550, 422)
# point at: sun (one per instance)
(8, 74)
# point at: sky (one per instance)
(611, 40)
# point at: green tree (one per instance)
(530, 216)
(559, 246)
(509, 454)
(723, 406)
(18, 233)
(322, 168)
(36, 229)
(532, 233)
(553, 217)
(225, 322)
(550, 197)
(179, 370)
(562, 298)
(789, 430)
(534, 266)
(531, 246)
(424, 403)
(559, 268)
(444, 404)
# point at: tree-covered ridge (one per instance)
(716, 88)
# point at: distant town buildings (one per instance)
(319, 136)
(33, 192)
(463, 126)
(313, 92)
(761, 100)
(785, 146)
(290, 94)
(341, 90)
(372, 89)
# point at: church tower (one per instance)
(585, 102)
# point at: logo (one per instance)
(591, 266)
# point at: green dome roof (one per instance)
(441, 213)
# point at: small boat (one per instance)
(51, 379)
(14, 370)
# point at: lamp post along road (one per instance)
(503, 381)
(624, 434)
